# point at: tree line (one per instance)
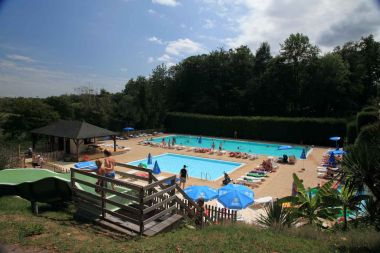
(300, 81)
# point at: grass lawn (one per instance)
(56, 231)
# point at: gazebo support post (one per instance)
(34, 140)
(76, 141)
(114, 142)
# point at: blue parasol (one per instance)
(156, 168)
(128, 129)
(149, 159)
(284, 147)
(303, 154)
(337, 152)
(336, 139)
(234, 196)
(205, 192)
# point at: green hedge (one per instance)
(369, 109)
(351, 132)
(312, 131)
(369, 135)
(365, 118)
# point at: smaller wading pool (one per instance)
(197, 167)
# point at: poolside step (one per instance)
(115, 227)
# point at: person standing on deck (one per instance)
(183, 177)
(235, 134)
(109, 164)
(213, 146)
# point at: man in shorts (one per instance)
(183, 177)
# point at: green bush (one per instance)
(365, 118)
(351, 132)
(369, 135)
(312, 131)
(370, 109)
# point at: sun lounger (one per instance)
(246, 182)
(253, 156)
(252, 179)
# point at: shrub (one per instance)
(351, 132)
(314, 131)
(365, 118)
(369, 135)
(369, 109)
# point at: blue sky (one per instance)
(50, 47)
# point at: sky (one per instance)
(51, 47)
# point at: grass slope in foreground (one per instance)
(56, 231)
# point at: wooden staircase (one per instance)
(135, 209)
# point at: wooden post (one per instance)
(34, 142)
(114, 143)
(76, 142)
(150, 191)
(141, 211)
(101, 185)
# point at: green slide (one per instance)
(45, 186)
(36, 185)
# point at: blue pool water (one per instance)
(196, 166)
(234, 145)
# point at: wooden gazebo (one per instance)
(63, 131)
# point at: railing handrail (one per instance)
(133, 167)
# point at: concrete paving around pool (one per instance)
(277, 185)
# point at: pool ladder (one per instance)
(206, 176)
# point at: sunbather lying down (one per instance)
(267, 165)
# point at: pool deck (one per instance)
(277, 185)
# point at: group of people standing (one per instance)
(109, 167)
(170, 143)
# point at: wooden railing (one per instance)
(52, 156)
(54, 167)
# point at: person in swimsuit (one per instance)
(100, 172)
(109, 164)
(183, 177)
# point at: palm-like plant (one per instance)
(344, 200)
(362, 167)
(276, 216)
(311, 206)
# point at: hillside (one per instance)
(56, 231)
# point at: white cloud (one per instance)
(154, 39)
(167, 59)
(151, 11)
(209, 24)
(123, 70)
(17, 57)
(183, 47)
(183, 26)
(16, 79)
(327, 23)
(150, 60)
(171, 3)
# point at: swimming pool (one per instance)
(196, 166)
(233, 145)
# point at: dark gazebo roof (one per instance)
(73, 130)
